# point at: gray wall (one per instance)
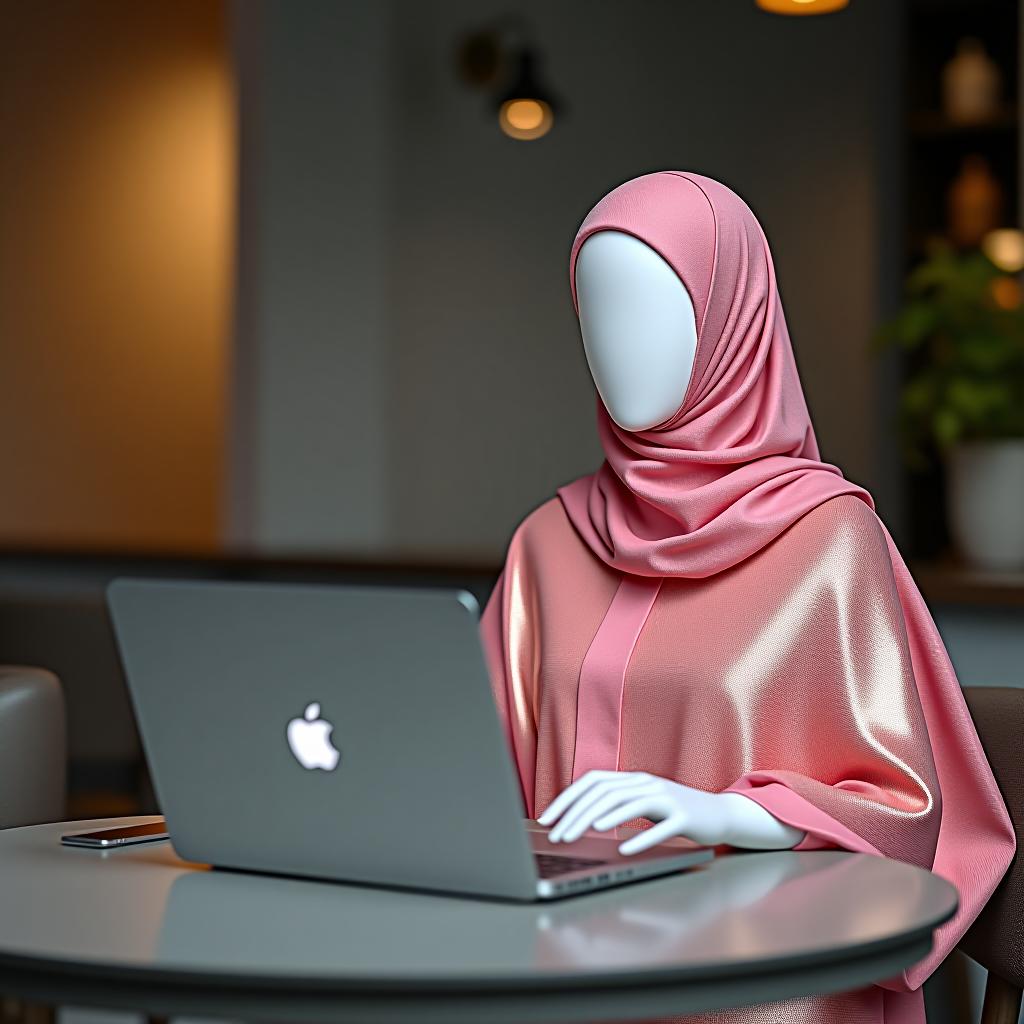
(309, 398)
(432, 424)
(986, 645)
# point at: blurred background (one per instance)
(284, 295)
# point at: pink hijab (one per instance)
(737, 463)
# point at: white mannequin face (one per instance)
(639, 329)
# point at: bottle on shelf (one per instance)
(974, 202)
(970, 84)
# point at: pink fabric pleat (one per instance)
(603, 675)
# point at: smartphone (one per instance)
(124, 836)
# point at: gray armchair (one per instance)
(33, 747)
(33, 770)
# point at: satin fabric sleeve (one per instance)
(902, 773)
(507, 633)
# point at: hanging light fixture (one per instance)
(802, 6)
(503, 61)
(525, 109)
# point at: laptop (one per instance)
(345, 733)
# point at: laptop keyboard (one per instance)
(551, 865)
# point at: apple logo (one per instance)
(310, 740)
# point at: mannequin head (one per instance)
(639, 328)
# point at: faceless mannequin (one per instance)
(640, 336)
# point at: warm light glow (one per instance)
(1005, 248)
(1006, 292)
(802, 6)
(525, 118)
(116, 277)
(525, 115)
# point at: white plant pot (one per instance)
(985, 498)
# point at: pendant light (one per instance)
(802, 6)
(502, 59)
(526, 110)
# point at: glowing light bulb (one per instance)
(802, 6)
(525, 115)
(525, 118)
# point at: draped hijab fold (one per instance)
(738, 461)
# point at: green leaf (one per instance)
(946, 426)
(917, 321)
(919, 394)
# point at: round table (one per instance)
(139, 928)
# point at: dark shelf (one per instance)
(935, 149)
(933, 124)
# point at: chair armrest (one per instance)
(33, 747)
(996, 938)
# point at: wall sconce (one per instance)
(802, 6)
(503, 61)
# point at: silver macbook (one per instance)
(342, 732)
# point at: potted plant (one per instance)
(962, 328)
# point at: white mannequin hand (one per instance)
(602, 800)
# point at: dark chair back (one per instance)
(996, 939)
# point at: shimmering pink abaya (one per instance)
(717, 606)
